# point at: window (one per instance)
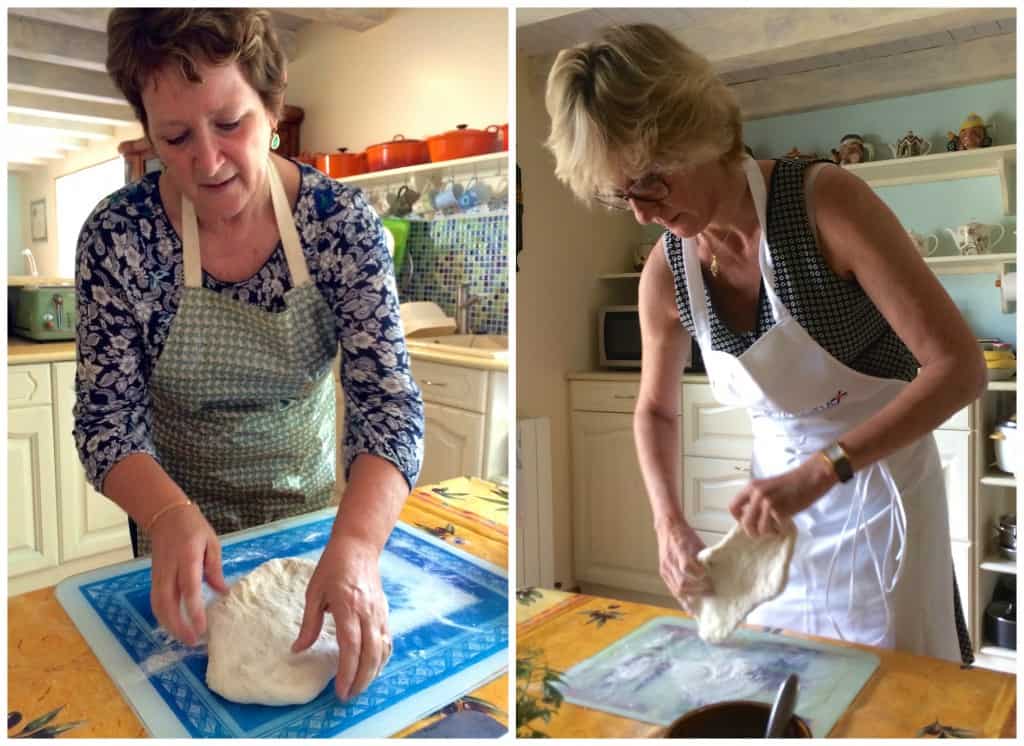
(77, 195)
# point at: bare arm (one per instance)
(861, 237)
(664, 344)
(656, 430)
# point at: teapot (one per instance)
(401, 202)
(922, 243)
(973, 134)
(975, 238)
(853, 149)
(910, 145)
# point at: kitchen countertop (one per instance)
(626, 376)
(905, 694)
(50, 665)
(22, 351)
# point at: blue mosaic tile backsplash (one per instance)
(447, 251)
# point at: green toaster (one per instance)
(44, 314)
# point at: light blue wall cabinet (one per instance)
(924, 201)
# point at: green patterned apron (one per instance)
(243, 398)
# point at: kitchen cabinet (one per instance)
(465, 421)
(57, 524)
(615, 544)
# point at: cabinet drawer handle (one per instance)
(439, 384)
(625, 396)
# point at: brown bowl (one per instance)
(736, 719)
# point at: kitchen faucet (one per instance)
(463, 300)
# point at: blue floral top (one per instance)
(129, 280)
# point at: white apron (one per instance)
(872, 559)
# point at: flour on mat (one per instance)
(251, 631)
(745, 572)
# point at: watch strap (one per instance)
(839, 460)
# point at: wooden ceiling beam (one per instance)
(43, 41)
(74, 110)
(30, 76)
(81, 130)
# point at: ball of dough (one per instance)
(251, 630)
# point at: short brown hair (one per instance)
(142, 40)
(634, 100)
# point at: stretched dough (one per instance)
(744, 573)
(251, 630)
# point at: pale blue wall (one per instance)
(926, 208)
(15, 264)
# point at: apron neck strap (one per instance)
(755, 180)
(285, 226)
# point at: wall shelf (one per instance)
(1000, 659)
(995, 563)
(1002, 385)
(976, 264)
(21, 281)
(457, 167)
(995, 478)
(998, 160)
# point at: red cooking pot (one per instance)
(461, 142)
(398, 153)
(344, 163)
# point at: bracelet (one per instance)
(163, 511)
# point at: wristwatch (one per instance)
(839, 461)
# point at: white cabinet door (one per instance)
(955, 453)
(963, 567)
(615, 543)
(709, 485)
(90, 523)
(32, 541)
(711, 430)
(453, 444)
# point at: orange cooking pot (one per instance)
(461, 142)
(397, 153)
(343, 163)
(501, 133)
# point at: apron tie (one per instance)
(897, 525)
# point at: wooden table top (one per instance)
(50, 665)
(904, 695)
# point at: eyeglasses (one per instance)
(647, 190)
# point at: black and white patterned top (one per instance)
(129, 282)
(837, 313)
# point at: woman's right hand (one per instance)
(684, 575)
(185, 547)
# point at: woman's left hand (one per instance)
(347, 583)
(765, 505)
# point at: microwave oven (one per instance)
(618, 340)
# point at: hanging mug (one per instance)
(476, 193)
(447, 198)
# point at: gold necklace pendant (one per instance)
(714, 266)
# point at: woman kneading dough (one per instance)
(212, 300)
(811, 309)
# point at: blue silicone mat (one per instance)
(449, 622)
(662, 670)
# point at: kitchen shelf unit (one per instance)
(998, 160)
(994, 495)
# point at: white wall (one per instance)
(15, 223)
(565, 247)
(420, 73)
(41, 183)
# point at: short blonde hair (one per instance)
(635, 100)
(142, 40)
